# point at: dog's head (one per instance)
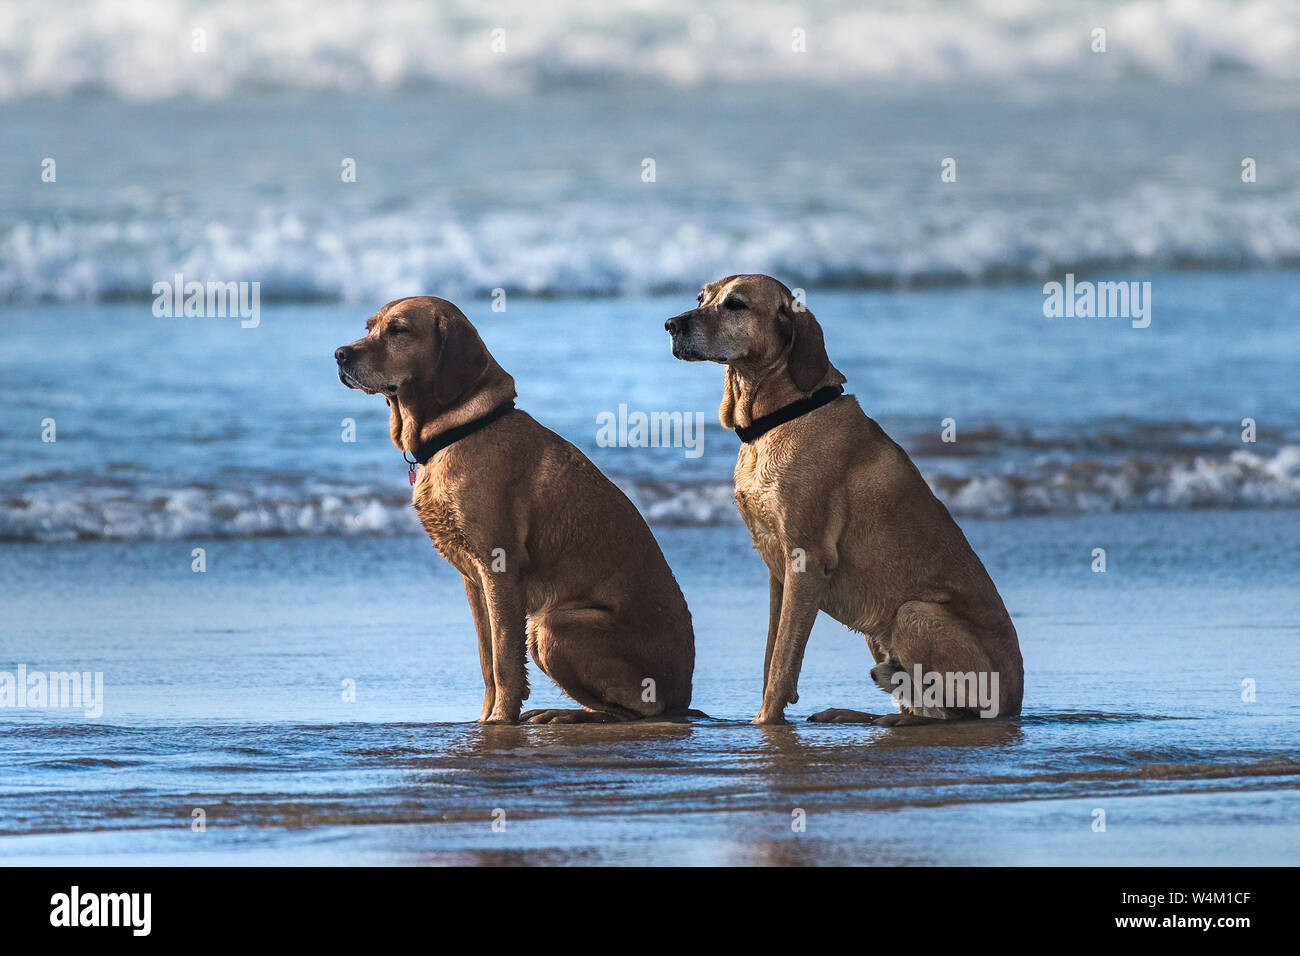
(753, 321)
(424, 357)
(422, 345)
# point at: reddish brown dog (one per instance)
(845, 522)
(554, 557)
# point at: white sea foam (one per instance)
(1241, 480)
(600, 249)
(48, 513)
(147, 514)
(143, 49)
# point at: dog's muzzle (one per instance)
(348, 376)
(680, 329)
(348, 380)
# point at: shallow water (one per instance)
(705, 793)
(223, 692)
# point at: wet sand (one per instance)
(223, 694)
(662, 794)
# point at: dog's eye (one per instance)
(733, 303)
(398, 329)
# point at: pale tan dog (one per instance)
(552, 554)
(844, 521)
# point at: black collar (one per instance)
(788, 413)
(452, 435)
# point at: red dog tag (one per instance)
(410, 473)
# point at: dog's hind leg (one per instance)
(959, 678)
(840, 715)
(569, 716)
(579, 650)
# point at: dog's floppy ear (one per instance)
(808, 360)
(462, 359)
(394, 421)
(730, 390)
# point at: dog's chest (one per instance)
(444, 523)
(757, 495)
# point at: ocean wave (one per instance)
(614, 248)
(146, 49)
(1242, 479)
(195, 513)
(1083, 486)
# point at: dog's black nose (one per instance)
(342, 354)
(676, 324)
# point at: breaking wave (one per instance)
(146, 50)
(51, 514)
(596, 248)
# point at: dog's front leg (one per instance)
(774, 588)
(503, 596)
(801, 598)
(483, 627)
